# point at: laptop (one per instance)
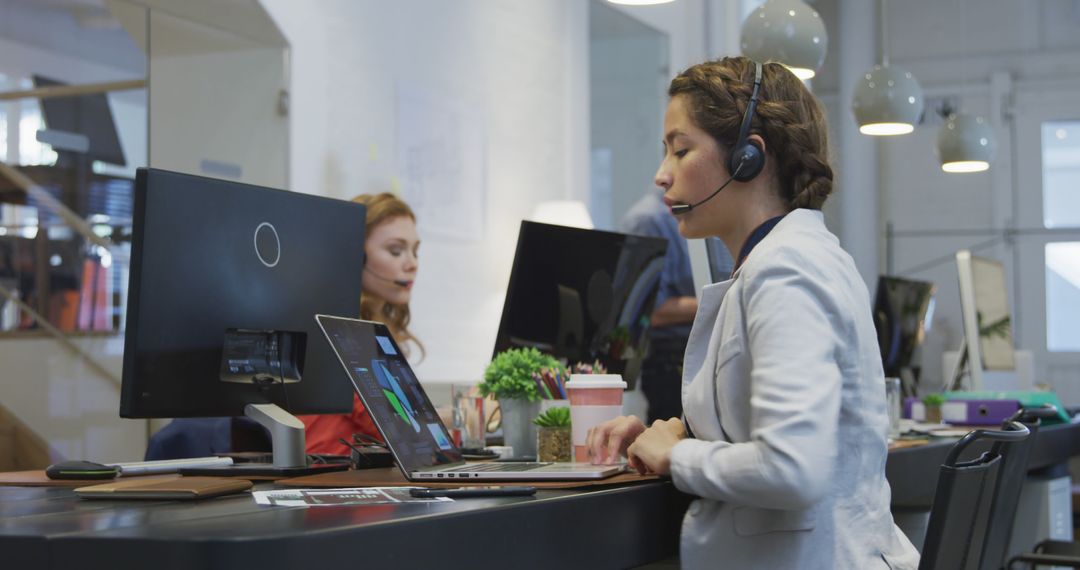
(409, 423)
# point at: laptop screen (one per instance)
(391, 393)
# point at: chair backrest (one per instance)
(960, 518)
(1010, 483)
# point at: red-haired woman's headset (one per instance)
(398, 282)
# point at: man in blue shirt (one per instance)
(676, 304)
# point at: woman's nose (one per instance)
(663, 176)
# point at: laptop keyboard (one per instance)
(497, 467)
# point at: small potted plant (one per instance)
(553, 435)
(509, 378)
(932, 403)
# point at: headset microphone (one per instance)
(680, 209)
(398, 282)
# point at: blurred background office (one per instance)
(479, 112)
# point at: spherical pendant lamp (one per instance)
(888, 101)
(966, 143)
(789, 32)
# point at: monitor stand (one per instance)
(290, 457)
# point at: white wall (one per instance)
(629, 75)
(517, 69)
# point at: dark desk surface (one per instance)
(912, 472)
(609, 528)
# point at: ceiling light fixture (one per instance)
(888, 100)
(788, 32)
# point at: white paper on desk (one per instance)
(335, 497)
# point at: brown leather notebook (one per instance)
(179, 488)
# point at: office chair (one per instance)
(961, 516)
(1010, 483)
(1050, 553)
(1047, 552)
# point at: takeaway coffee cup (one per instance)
(594, 399)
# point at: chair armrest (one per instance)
(1018, 432)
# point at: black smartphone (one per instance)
(465, 492)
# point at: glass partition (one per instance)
(73, 129)
(75, 117)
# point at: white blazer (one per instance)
(784, 391)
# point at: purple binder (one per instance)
(978, 412)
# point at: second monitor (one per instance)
(582, 295)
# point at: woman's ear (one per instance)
(759, 142)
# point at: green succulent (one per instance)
(510, 374)
(933, 400)
(554, 417)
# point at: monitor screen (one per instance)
(215, 261)
(992, 314)
(86, 115)
(582, 295)
(903, 310)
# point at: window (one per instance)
(1061, 174)
(1063, 296)
(1061, 210)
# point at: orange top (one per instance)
(323, 431)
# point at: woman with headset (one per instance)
(783, 440)
(391, 245)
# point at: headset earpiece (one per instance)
(747, 159)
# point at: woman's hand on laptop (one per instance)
(608, 441)
(651, 451)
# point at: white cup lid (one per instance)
(596, 381)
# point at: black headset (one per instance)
(747, 159)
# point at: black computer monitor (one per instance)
(225, 282)
(582, 295)
(903, 310)
(82, 115)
